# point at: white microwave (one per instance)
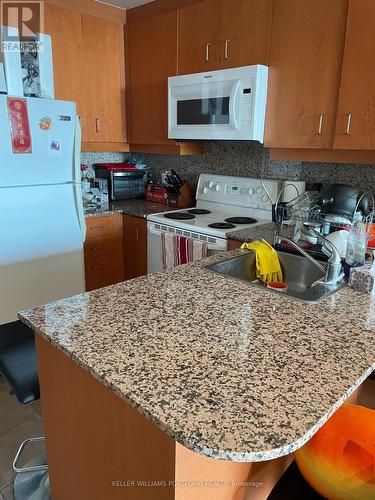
(228, 104)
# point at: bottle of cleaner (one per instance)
(357, 243)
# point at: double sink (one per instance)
(299, 273)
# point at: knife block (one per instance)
(186, 198)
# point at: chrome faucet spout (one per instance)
(333, 272)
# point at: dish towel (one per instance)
(268, 266)
(177, 250)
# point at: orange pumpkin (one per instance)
(339, 460)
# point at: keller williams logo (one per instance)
(21, 22)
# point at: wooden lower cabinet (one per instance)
(104, 262)
(234, 244)
(135, 246)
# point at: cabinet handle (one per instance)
(97, 125)
(349, 124)
(96, 248)
(137, 234)
(320, 128)
(208, 45)
(97, 227)
(226, 49)
(98, 268)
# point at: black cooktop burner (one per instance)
(221, 225)
(241, 220)
(199, 211)
(179, 216)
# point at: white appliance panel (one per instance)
(226, 104)
(154, 255)
(48, 163)
(41, 251)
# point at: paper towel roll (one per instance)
(290, 191)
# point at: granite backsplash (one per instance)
(247, 159)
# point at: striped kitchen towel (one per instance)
(177, 250)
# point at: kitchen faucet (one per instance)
(333, 272)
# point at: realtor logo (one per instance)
(21, 21)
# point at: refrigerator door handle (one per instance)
(77, 178)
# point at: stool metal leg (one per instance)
(30, 468)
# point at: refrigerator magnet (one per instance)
(45, 123)
(19, 125)
(54, 148)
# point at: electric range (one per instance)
(224, 204)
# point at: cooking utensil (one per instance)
(177, 177)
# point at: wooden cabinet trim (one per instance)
(98, 9)
(324, 155)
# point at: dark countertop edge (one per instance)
(141, 213)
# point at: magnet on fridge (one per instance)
(45, 123)
(54, 147)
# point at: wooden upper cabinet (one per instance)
(65, 28)
(356, 110)
(245, 36)
(152, 57)
(305, 66)
(103, 79)
(199, 37)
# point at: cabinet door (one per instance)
(104, 79)
(305, 65)
(198, 37)
(356, 110)
(152, 59)
(135, 246)
(65, 28)
(245, 32)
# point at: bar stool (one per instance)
(18, 367)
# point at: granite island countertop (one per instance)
(226, 369)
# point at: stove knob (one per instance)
(259, 190)
(251, 192)
(211, 184)
(205, 190)
(218, 187)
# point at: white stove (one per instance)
(224, 204)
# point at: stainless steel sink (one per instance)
(299, 274)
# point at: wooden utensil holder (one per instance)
(186, 198)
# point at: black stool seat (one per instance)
(18, 364)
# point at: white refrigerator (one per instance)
(42, 225)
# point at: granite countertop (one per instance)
(265, 231)
(226, 369)
(138, 208)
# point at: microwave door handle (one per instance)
(232, 105)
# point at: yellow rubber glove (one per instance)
(267, 261)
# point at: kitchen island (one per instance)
(190, 360)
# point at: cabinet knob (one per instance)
(208, 45)
(226, 49)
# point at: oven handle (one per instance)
(232, 104)
(156, 232)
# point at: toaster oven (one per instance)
(124, 181)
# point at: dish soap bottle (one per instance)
(357, 243)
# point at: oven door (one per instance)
(154, 256)
(203, 109)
